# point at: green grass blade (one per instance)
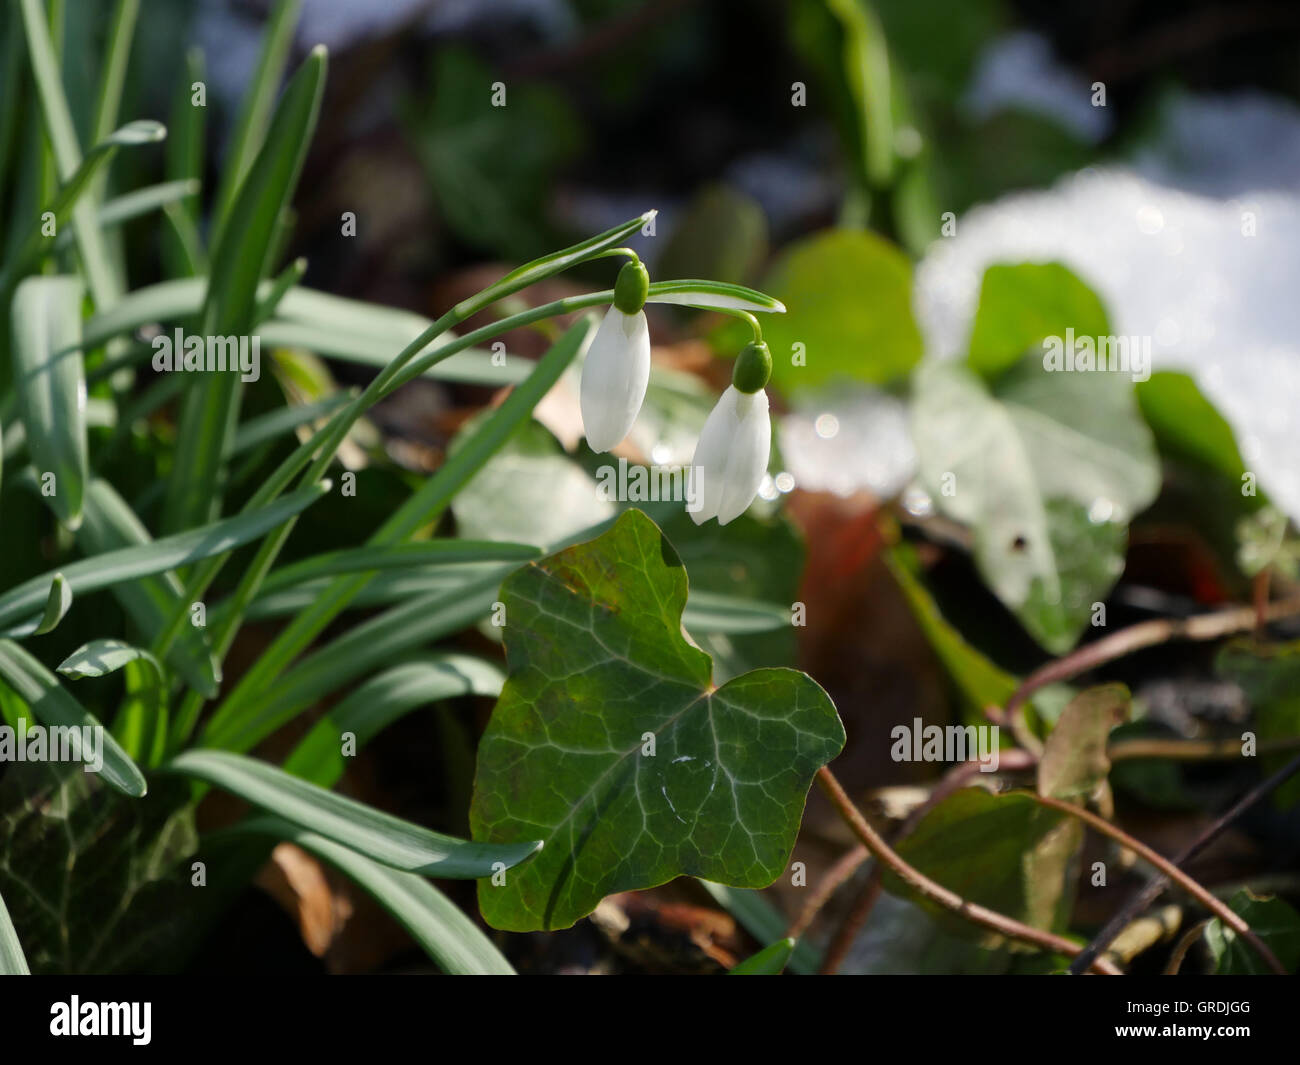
(183, 251)
(132, 205)
(240, 726)
(51, 388)
(397, 556)
(100, 276)
(12, 960)
(367, 831)
(110, 524)
(131, 563)
(763, 922)
(770, 961)
(713, 295)
(382, 700)
(52, 705)
(447, 935)
(102, 657)
(255, 112)
(240, 260)
(419, 510)
(109, 100)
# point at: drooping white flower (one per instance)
(614, 378)
(731, 457)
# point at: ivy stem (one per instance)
(1147, 895)
(1218, 907)
(1211, 626)
(831, 881)
(940, 895)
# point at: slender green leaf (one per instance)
(167, 553)
(255, 111)
(111, 525)
(770, 961)
(377, 835)
(448, 936)
(101, 657)
(713, 295)
(762, 920)
(51, 705)
(55, 608)
(12, 960)
(100, 276)
(51, 388)
(240, 260)
(380, 701)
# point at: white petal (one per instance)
(731, 457)
(614, 377)
(751, 445)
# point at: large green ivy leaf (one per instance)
(600, 675)
(1047, 469)
(96, 882)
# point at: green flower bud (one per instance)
(753, 368)
(632, 287)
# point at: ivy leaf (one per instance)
(600, 675)
(848, 298)
(1272, 919)
(1074, 765)
(1005, 852)
(1022, 304)
(1047, 469)
(1269, 674)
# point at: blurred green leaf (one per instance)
(1001, 851)
(1047, 469)
(848, 297)
(1269, 674)
(722, 235)
(1272, 919)
(981, 682)
(367, 831)
(101, 657)
(55, 608)
(1074, 764)
(1020, 305)
(491, 165)
(51, 387)
(564, 755)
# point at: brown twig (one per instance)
(1192, 750)
(830, 883)
(1143, 898)
(847, 933)
(951, 781)
(1144, 634)
(1216, 906)
(941, 895)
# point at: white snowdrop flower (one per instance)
(731, 456)
(617, 369)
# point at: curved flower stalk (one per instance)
(732, 453)
(617, 370)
